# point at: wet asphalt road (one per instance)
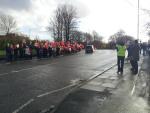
(21, 82)
(112, 93)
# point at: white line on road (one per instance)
(16, 71)
(40, 96)
(136, 77)
(135, 81)
(54, 91)
(4, 74)
(85, 81)
(23, 106)
(133, 89)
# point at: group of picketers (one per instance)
(24, 51)
(145, 47)
(134, 50)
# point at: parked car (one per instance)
(89, 49)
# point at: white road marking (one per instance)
(136, 77)
(5, 63)
(17, 71)
(54, 91)
(133, 89)
(40, 96)
(85, 81)
(4, 74)
(134, 82)
(23, 106)
(50, 92)
(14, 71)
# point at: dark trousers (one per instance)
(45, 53)
(50, 52)
(9, 57)
(144, 52)
(120, 63)
(15, 55)
(21, 53)
(134, 65)
(37, 52)
(57, 51)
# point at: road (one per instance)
(31, 86)
(111, 93)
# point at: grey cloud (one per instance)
(15, 4)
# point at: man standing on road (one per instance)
(121, 49)
(134, 58)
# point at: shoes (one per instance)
(131, 69)
(134, 72)
(121, 73)
(118, 72)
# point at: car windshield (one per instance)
(74, 56)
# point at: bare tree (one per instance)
(77, 36)
(63, 22)
(57, 24)
(96, 36)
(120, 36)
(69, 18)
(52, 28)
(7, 24)
(115, 36)
(89, 38)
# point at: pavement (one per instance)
(112, 93)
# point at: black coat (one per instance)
(129, 49)
(135, 52)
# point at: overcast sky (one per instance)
(104, 16)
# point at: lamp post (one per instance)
(138, 20)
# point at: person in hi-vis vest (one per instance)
(121, 49)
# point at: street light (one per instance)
(138, 21)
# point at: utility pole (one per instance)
(138, 20)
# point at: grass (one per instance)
(2, 53)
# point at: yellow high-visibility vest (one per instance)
(121, 50)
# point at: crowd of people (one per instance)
(40, 49)
(145, 48)
(134, 50)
